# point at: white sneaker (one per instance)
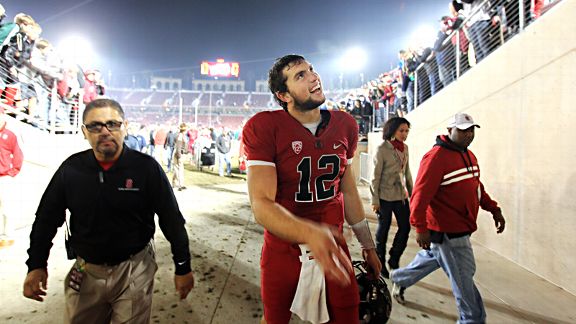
(398, 293)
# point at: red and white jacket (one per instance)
(11, 157)
(448, 192)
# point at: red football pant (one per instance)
(280, 271)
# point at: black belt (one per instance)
(457, 235)
(113, 262)
(438, 237)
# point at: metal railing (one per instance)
(26, 97)
(488, 26)
(366, 167)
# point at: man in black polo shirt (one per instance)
(112, 194)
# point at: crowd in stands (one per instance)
(39, 87)
(470, 31)
(36, 84)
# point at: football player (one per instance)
(301, 189)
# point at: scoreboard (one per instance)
(220, 68)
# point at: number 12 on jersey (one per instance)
(328, 170)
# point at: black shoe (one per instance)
(393, 265)
(384, 272)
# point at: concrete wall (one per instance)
(524, 96)
(43, 153)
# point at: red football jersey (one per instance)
(309, 168)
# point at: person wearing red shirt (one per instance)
(11, 159)
(445, 202)
(301, 189)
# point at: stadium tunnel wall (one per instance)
(43, 153)
(523, 97)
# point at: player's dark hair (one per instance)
(276, 77)
(391, 127)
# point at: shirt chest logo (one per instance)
(129, 186)
(297, 146)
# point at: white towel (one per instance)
(310, 299)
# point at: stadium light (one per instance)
(78, 50)
(354, 59)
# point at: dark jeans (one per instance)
(479, 37)
(401, 210)
(170, 152)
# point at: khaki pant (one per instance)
(113, 294)
(178, 171)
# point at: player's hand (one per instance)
(329, 255)
(423, 239)
(36, 284)
(499, 221)
(183, 284)
(372, 263)
(375, 208)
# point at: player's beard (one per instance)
(308, 104)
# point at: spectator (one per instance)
(11, 159)
(459, 38)
(427, 57)
(90, 89)
(444, 53)
(192, 135)
(223, 145)
(13, 55)
(70, 89)
(141, 139)
(169, 148)
(478, 26)
(391, 187)
(112, 194)
(49, 69)
(444, 207)
(408, 66)
(388, 96)
(159, 142)
(131, 140)
(99, 82)
(151, 144)
(179, 152)
(213, 135)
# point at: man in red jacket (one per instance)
(444, 206)
(10, 163)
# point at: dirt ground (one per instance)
(225, 243)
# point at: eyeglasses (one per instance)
(111, 125)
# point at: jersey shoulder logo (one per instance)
(297, 146)
(336, 146)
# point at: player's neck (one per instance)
(305, 117)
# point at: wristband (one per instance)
(362, 232)
(182, 268)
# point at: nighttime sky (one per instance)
(169, 37)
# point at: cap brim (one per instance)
(465, 126)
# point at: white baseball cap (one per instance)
(462, 121)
